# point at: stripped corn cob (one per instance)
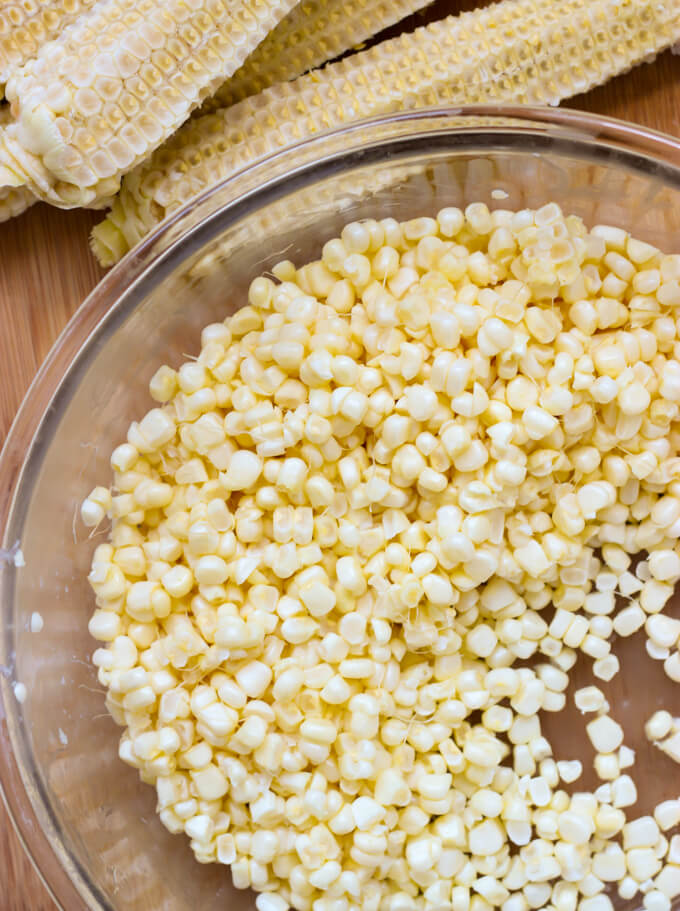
(98, 99)
(314, 32)
(25, 26)
(530, 51)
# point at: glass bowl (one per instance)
(86, 820)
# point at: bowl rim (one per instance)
(70, 888)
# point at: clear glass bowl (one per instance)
(86, 820)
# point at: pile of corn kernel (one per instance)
(361, 542)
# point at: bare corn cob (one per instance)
(314, 32)
(116, 83)
(528, 51)
(25, 26)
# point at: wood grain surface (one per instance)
(46, 271)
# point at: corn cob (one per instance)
(314, 32)
(99, 98)
(528, 51)
(26, 26)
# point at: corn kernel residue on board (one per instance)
(333, 542)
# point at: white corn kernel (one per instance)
(659, 725)
(605, 734)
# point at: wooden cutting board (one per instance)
(46, 271)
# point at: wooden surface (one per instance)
(46, 270)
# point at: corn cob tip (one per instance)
(13, 174)
(15, 201)
(108, 243)
(8, 180)
(10, 176)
